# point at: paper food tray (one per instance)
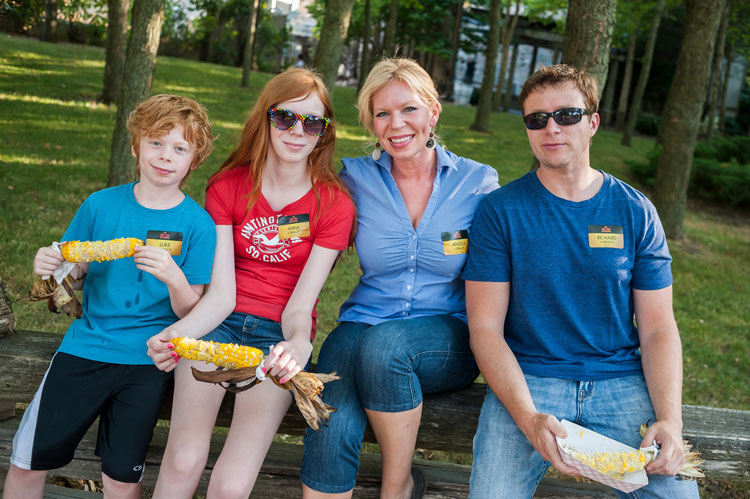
(586, 441)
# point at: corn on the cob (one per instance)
(224, 355)
(615, 464)
(89, 251)
(239, 368)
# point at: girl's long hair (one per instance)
(251, 151)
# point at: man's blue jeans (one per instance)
(507, 466)
(386, 368)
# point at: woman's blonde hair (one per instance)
(384, 73)
(250, 153)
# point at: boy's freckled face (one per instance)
(165, 160)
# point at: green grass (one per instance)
(54, 151)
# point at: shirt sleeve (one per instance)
(220, 200)
(490, 182)
(200, 255)
(489, 258)
(652, 268)
(335, 224)
(81, 227)
(349, 179)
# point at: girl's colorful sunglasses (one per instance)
(284, 119)
(563, 117)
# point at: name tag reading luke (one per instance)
(170, 241)
(606, 236)
(294, 226)
(455, 242)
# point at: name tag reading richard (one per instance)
(291, 226)
(455, 242)
(606, 236)
(170, 241)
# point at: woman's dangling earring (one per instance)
(376, 152)
(431, 141)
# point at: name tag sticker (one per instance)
(291, 226)
(455, 242)
(170, 241)
(606, 236)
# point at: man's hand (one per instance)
(160, 349)
(671, 455)
(541, 430)
(157, 262)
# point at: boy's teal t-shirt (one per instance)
(123, 306)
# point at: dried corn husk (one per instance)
(236, 372)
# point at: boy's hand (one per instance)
(160, 349)
(47, 259)
(287, 358)
(157, 262)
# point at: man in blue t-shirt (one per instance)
(101, 369)
(560, 262)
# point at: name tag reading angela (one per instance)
(606, 236)
(455, 242)
(170, 241)
(294, 226)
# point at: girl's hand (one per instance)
(160, 349)
(287, 358)
(47, 259)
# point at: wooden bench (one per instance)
(448, 424)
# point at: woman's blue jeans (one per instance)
(387, 368)
(507, 466)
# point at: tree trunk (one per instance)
(216, 34)
(507, 35)
(143, 43)
(49, 26)
(682, 111)
(605, 110)
(364, 64)
(455, 39)
(509, 82)
(622, 106)
(389, 39)
(640, 87)
(588, 33)
(532, 65)
(724, 84)
(259, 13)
(247, 60)
(332, 35)
(714, 99)
(117, 30)
(482, 120)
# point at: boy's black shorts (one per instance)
(73, 393)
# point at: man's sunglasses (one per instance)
(563, 117)
(284, 119)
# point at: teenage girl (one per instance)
(282, 217)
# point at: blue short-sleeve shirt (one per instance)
(123, 306)
(572, 267)
(408, 272)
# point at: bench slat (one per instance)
(448, 420)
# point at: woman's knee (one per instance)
(183, 462)
(230, 486)
(339, 348)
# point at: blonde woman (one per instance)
(402, 332)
